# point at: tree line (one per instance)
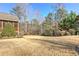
(54, 24)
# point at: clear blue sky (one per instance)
(43, 8)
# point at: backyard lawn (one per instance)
(32, 45)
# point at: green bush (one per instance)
(8, 31)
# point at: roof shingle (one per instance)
(8, 17)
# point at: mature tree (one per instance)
(77, 24)
(47, 25)
(68, 23)
(35, 27)
(20, 11)
(60, 13)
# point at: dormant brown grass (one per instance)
(32, 45)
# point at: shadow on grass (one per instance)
(65, 45)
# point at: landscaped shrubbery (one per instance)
(8, 31)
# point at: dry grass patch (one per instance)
(39, 46)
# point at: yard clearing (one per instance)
(32, 45)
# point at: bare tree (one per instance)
(20, 11)
(35, 27)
